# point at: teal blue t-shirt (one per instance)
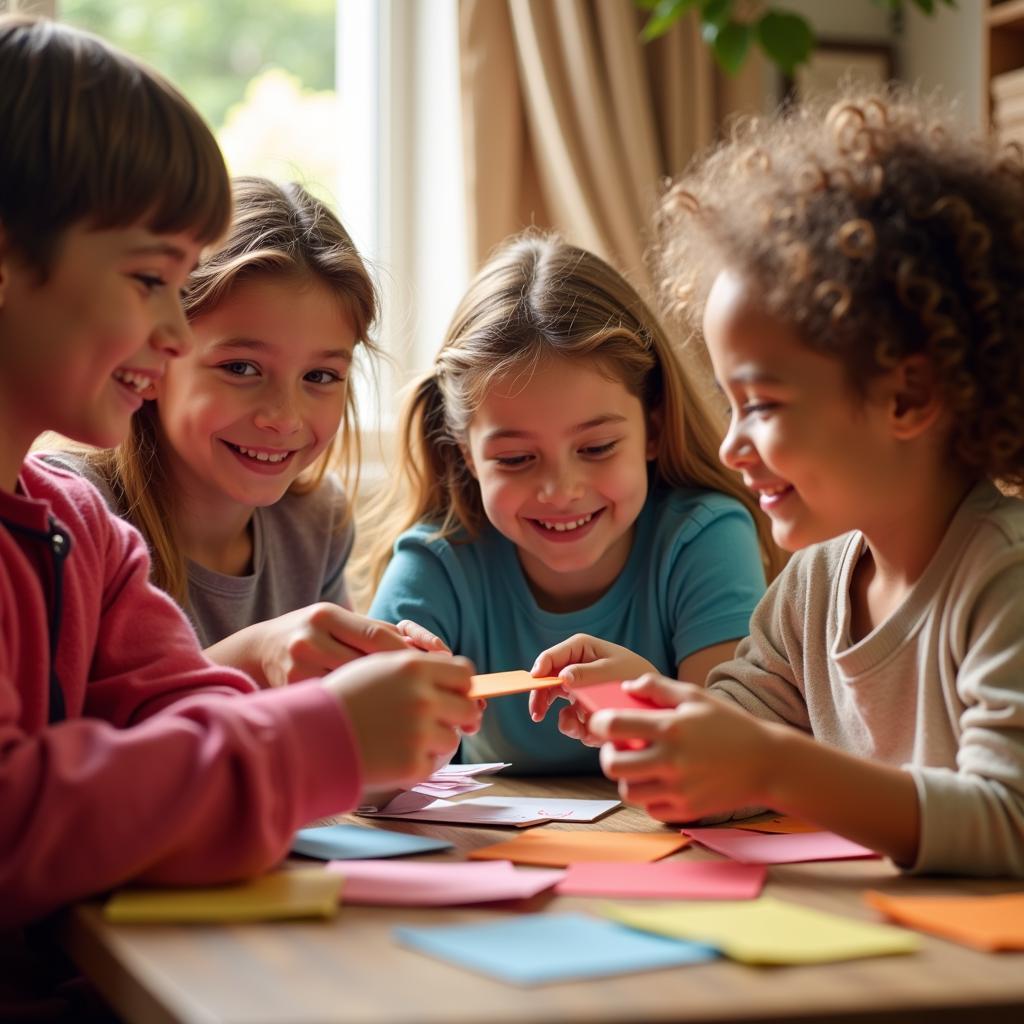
(692, 579)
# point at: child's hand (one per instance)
(581, 660)
(705, 756)
(406, 712)
(305, 643)
(419, 638)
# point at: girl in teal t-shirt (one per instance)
(558, 476)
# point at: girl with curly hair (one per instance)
(857, 274)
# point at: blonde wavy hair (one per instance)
(879, 228)
(538, 296)
(277, 232)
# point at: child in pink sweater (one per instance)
(124, 753)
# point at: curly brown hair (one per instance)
(879, 228)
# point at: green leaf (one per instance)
(786, 38)
(664, 14)
(928, 6)
(715, 12)
(730, 43)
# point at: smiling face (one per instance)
(821, 459)
(562, 466)
(260, 396)
(80, 350)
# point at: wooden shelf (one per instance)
(1004, 46)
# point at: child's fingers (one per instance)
(632, 766)
(667, 693)
(604, 670)
(421, 638)
(368, 636)
(576, 648)
(541, 700)
(628, 725)
(450, 672)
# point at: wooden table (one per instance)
(350, 970)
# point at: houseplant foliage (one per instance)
(731, 27)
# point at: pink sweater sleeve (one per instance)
(167, 768)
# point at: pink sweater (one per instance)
(157, 771)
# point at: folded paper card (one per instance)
(498, 810)
(500, 684)
(306, 892)
(767, 931)
(455, 779)
(417, 884)
(536, 948)
(558, 848)
(757, 848)
(665, 880)
(357, 842)
(990, 923)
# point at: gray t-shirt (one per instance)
(300, 548)
(937, 688)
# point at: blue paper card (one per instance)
(537, 948)
(354, 842)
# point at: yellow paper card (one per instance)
(990, 923)
(500, 684)
(305, 892)
(767, 931)
(558, 848)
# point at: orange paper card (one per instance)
(558, 848)
(986, 922)
(782, 825)
(500, 684)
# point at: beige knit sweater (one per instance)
(938, 688)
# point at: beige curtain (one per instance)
(571, 122)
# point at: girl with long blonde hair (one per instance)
(558, 477)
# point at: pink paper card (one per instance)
(407, 884)
(614, 697)
(759, 848)
(665, 880)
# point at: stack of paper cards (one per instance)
(758, 848)
(500, 810)
(989, 923)
(403, 884)
(456, 779)
(309, 892)
(767, 931)
(557, 848)
(501, 684)
(356, 842)
(538, 948)
(665, 880)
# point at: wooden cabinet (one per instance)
(1004, 66)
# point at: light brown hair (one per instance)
(538, 296)
(277, 232)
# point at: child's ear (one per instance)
(914, 400)
(655, 424)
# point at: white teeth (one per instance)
(770, 492)
(262, 456)
(136, 381)
(563, 527)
